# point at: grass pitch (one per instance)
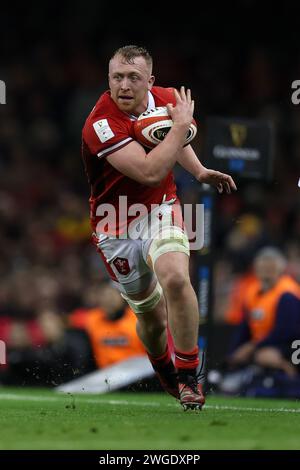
(43, 419)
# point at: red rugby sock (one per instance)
(187, 360)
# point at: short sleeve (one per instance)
(105, 136)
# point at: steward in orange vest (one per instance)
(271, 310)
(111, 328)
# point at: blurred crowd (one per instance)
(47, 263)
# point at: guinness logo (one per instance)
(161, 133)
(238, 134)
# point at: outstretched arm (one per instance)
(190, 162)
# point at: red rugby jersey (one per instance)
(106, 130)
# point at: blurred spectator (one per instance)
(61, 355)
(270, 325)
(272, 316)
(111, 327)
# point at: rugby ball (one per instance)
(152, 126)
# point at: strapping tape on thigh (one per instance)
(170, 239)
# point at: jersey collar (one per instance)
(151, 105)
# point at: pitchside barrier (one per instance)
(111, 378)
(243, 148)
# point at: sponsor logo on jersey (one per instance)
(103, 130)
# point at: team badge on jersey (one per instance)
(103, 130)
(122, 265)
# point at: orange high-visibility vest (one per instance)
(262, 306)
(113, 341)
(234, 313)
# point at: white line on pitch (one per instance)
(84, 399)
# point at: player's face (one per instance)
(129, 84)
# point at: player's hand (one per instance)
(218, 180)
(182, 113)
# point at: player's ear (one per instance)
(151, 82)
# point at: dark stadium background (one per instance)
(53, 59)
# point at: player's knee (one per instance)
(174, 282)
